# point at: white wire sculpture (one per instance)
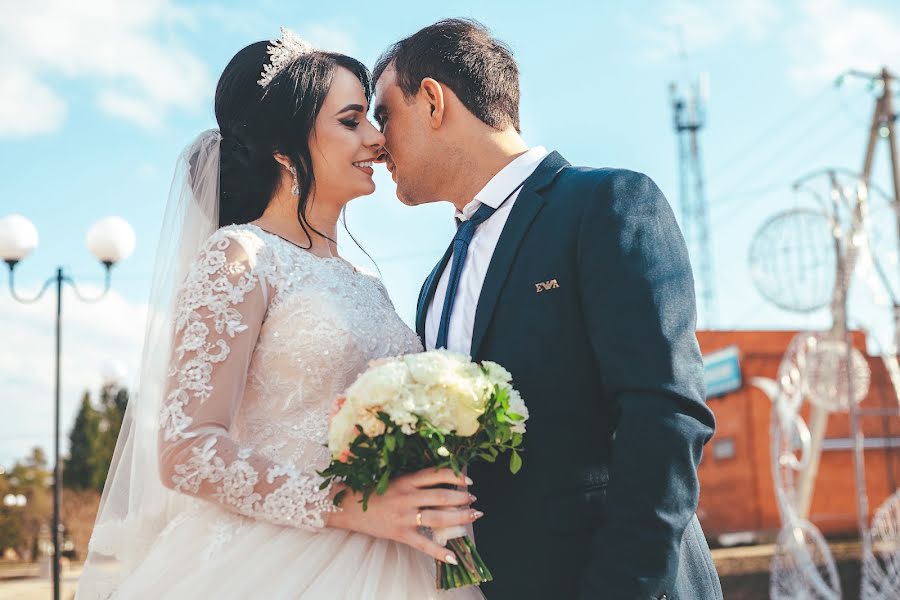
(802, 260)
(802, 566)
(881, 573)
(879, 269)
(815, 368)
(792, 260)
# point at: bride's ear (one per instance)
(283, 160)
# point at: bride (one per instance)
(256, 326)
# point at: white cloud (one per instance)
(329, 38)
(28, 106)
(834, 36)
(821, 38)
(260, 24)
(126, 46)
(250, 22)
(133, 108)
(93, 334)
(700, 25)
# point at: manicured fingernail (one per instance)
(472, 498)
(469, 481)
(476, 514)
(450, 558)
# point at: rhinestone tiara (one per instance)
(283, 52)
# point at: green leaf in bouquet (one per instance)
(514, 416)
(503, 396)
(365, 499)
(487, 457)
(390, 442)
(516, 440)
(339, 497)
(515, 462)
(436, 434)
(383, 482)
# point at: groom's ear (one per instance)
(432, 94)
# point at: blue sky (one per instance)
(98, 97)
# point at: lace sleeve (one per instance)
(217, 321)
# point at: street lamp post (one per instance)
(110, 240)
(15, 500)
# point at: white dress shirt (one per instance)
(481, 249)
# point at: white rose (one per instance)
(517, 406)
(379, 386)
(496, 373)
(465, 398)
(431, 404)
(342, 429)
(402, 410)
(434, 366)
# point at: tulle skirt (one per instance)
(207, 552)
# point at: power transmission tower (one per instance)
(883, 126)
(689, 119)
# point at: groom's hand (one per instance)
(411, 503)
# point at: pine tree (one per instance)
(113, 401)
(79, 467)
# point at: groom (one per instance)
(576, 280)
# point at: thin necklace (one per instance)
(307, 250)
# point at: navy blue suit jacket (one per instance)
(606, 357)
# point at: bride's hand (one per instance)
(410, 502)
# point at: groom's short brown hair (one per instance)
(461, 54)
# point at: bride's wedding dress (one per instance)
(266, 336)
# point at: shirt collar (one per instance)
(505, 181)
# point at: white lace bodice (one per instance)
(267, 335)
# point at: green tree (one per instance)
(78, 468)
(20, 527)
(92, 439)
(11, 534)
(113, 401)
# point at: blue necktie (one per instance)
(464, 233)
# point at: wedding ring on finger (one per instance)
(419, 519)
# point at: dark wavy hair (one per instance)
(256, 122)
(463, 55)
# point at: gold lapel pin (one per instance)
(546, 285)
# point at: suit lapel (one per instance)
(528, 204)
(427, 293)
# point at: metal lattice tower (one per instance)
(689, 117)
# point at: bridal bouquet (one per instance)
(432, 409)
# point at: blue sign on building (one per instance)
(722, 371)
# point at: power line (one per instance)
(805, 138)
(735, 191)
(803, 107)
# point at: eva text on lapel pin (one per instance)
(546, 285)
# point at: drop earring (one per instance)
(295, 189)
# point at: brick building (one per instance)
(737, 492)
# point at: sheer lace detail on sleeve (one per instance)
(218, 316)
